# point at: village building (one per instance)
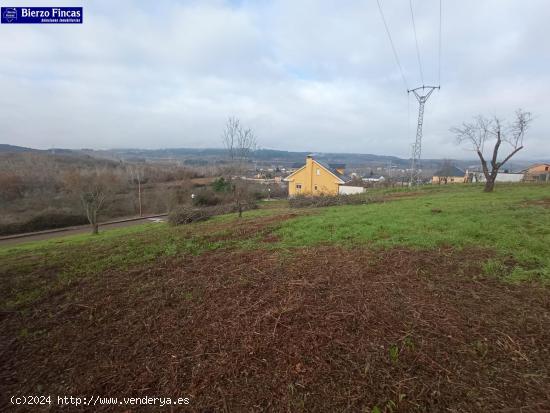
(476, 175)
(449, 175)
(539, 172)
(373, 179)
(319, 178)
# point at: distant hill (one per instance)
(190, 156)
(261, 155)
(213, 156)
(18, 149)
(26, 158)
(194, 156)
(5, 148)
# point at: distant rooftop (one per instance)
(450, 170)
(331, 168)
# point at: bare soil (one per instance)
(244, 229)
(545, 202)
(321, 329)
(399, 195)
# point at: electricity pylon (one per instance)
(422, 97)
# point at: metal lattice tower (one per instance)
(422, 94)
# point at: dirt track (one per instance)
(321, 329)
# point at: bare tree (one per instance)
(246, 144)
(479, 133)
(230, 136)
(239, 142)
(244, 195)
(93, 189)
(239, 195)
(12, 186)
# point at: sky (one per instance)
(305, 75)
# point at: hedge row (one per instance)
(43, 222)
(304, 201)
(185, 214)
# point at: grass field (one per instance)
(508, 221)
(428, 299)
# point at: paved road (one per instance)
(76, 230)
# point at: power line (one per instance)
(439, 54)
(392, 45)
(408, 117)
(421, 93)
(416, 42)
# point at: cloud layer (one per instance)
(306, 75)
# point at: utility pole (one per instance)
(137, 175)
(139, 195)
(422, 94)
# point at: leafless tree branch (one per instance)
(239, 143)
(478, 133)
(230, 136)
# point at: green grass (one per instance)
(29, 271)
(454, 216)
(502, 221)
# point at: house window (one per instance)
(316, 187)
(298, 187)
(318, 172)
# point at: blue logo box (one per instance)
(41, 15)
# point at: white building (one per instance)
(350, 190)
(501, 177)
(372, 179)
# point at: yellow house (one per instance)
(316, 178)
(538, 168)
(538, 172)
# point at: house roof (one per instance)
(332, 169)
(450, 170)
(342, 177)
(535, 165)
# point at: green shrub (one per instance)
(207, 198)
(221, 185)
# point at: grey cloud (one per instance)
(306, 75)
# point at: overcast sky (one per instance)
(306, 75)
